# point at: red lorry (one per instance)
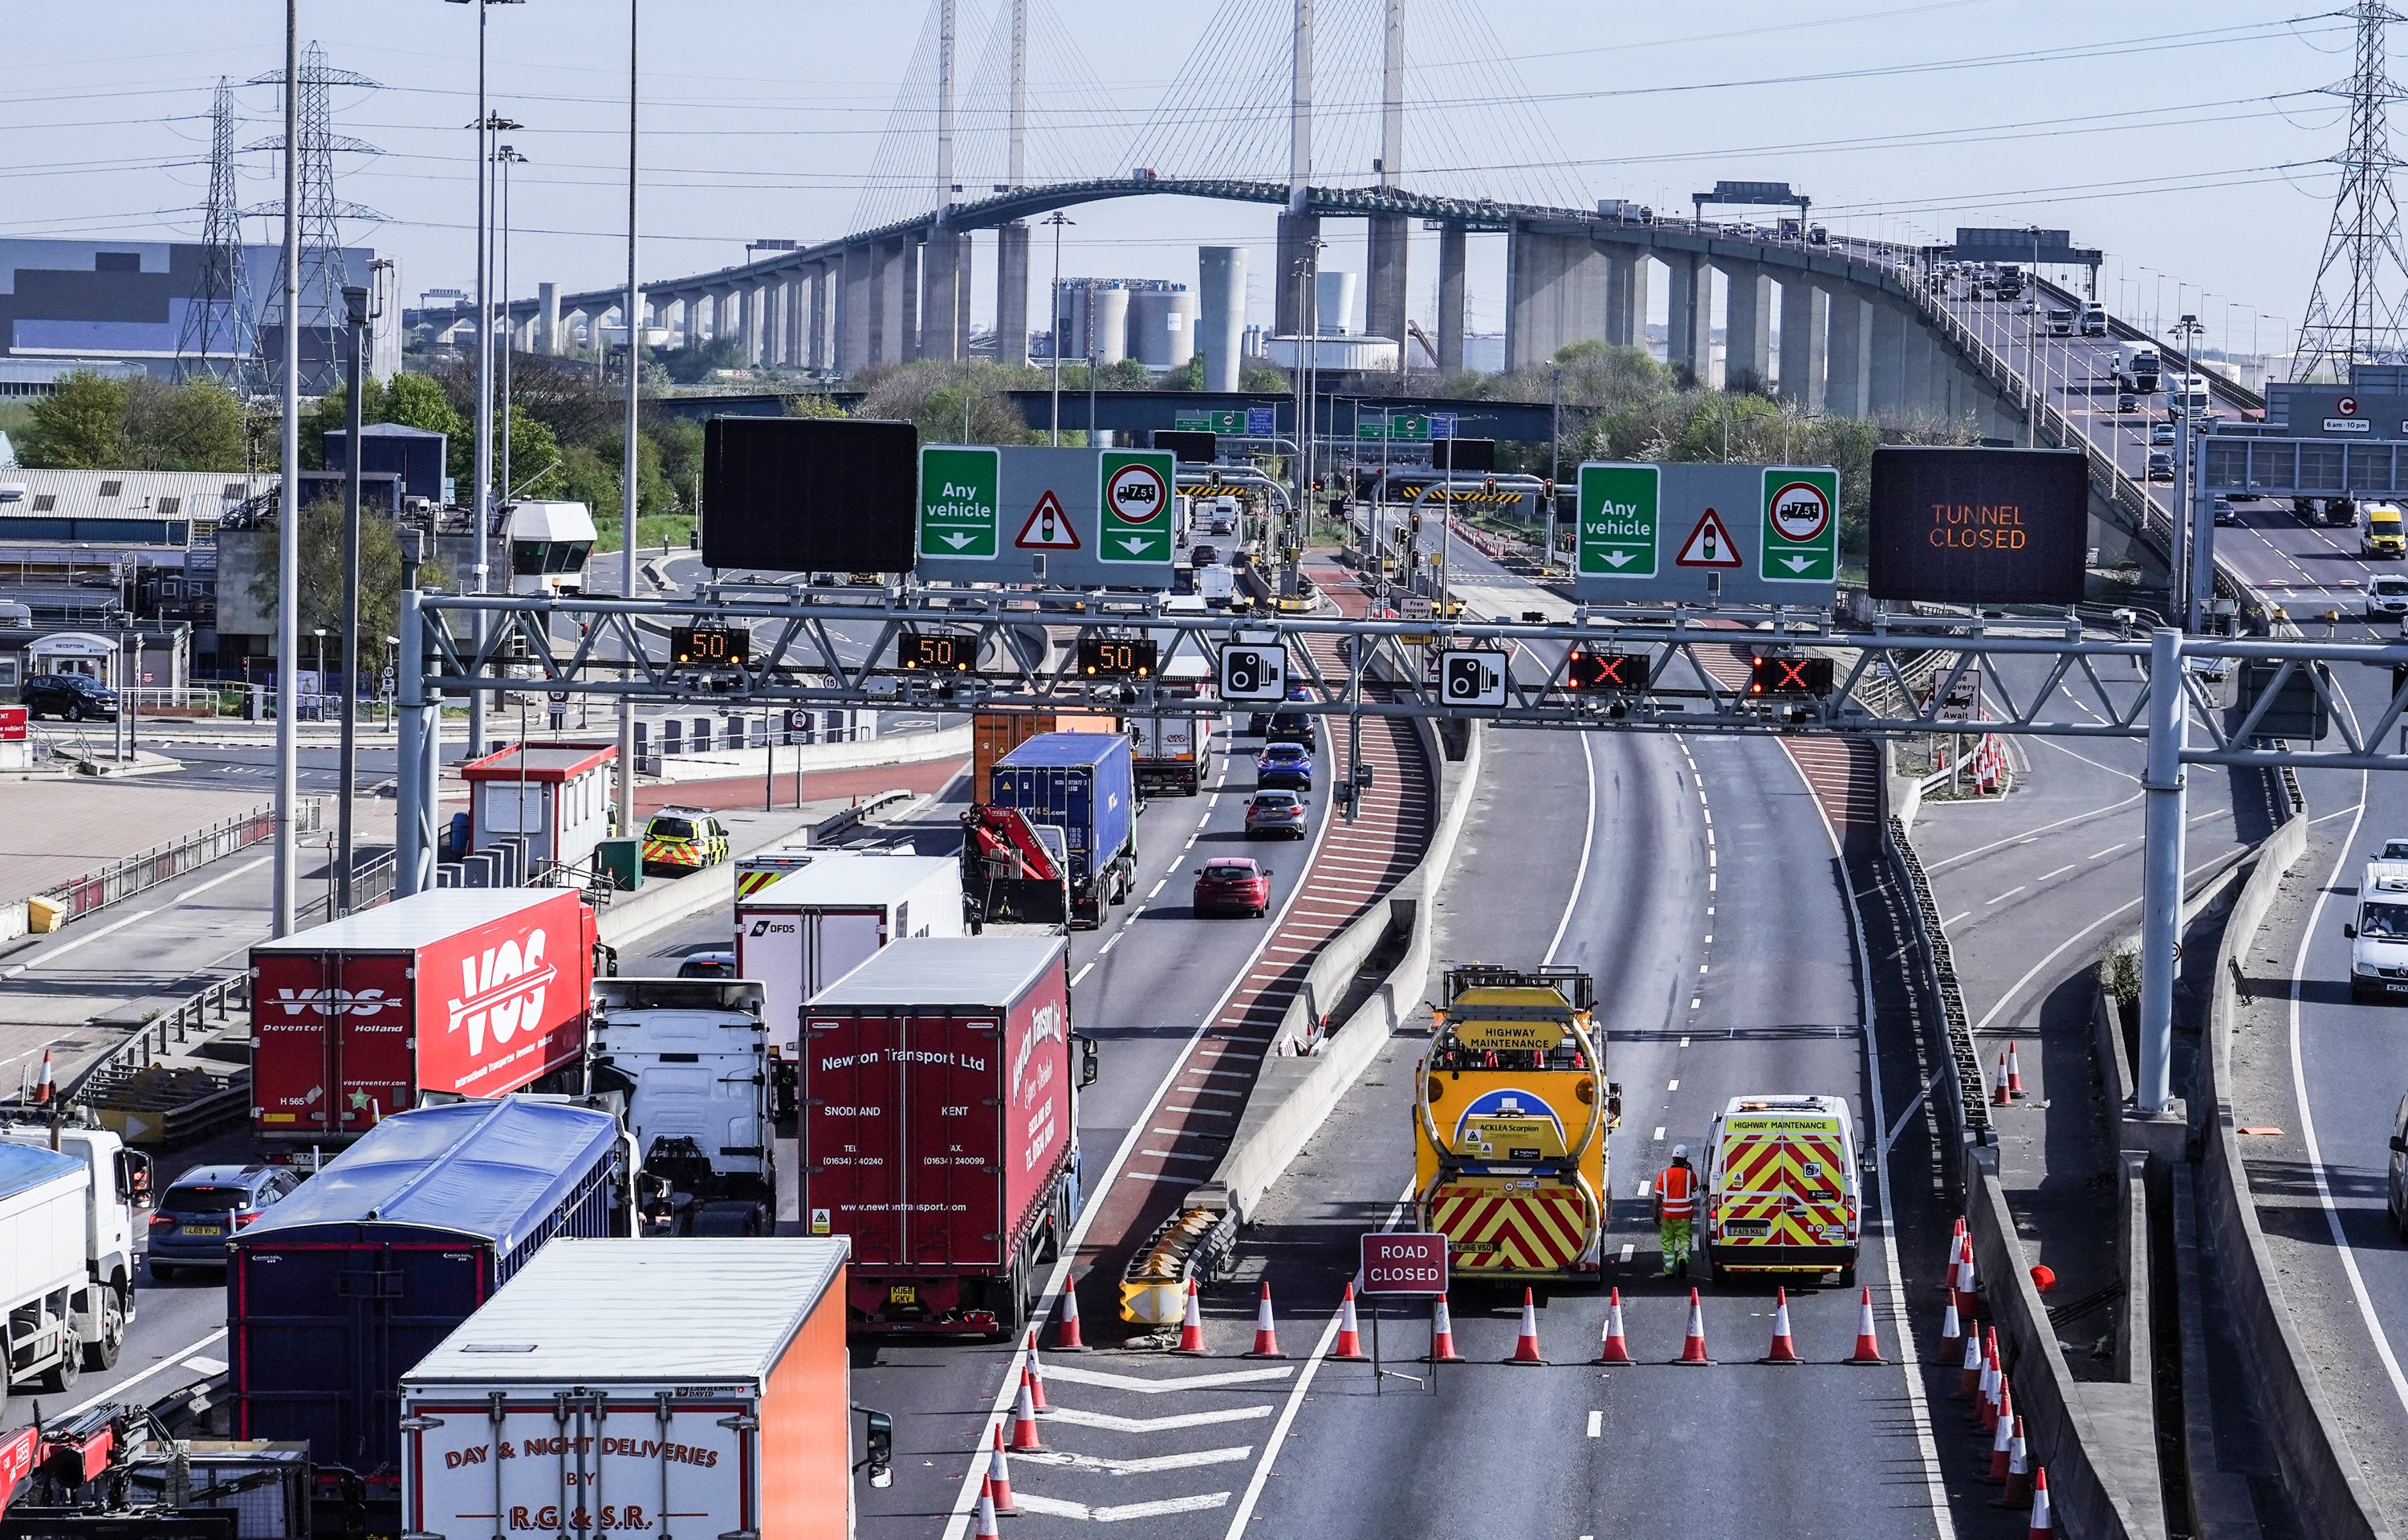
(940, 1128)
(476, 992)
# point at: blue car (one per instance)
(1285, 766)
(208, 1204)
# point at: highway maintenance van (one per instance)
(2378, 933)
(1781, 1191)
(1511, 1114)
(2381, 535)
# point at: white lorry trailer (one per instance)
(692, 1059)
(2136, 367)
(119, 1189)
(46, 1224)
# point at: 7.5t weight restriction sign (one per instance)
(1254, 672)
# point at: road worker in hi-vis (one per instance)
(1676, 1210)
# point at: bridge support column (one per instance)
(855, 309)
(1851, 354)
(1926, 387)
(1385, 304)
(1450, 299)
(773, 323)
(1010, 294)
(1805, 319)
(944, 295)
(1689, 313)
(1554, 293)
(1291, 311)
(1747, 327)
(1625, 297)
(900, 343)
(1887, 395)
(749, 303)
(794, 296)
(818, 334)
(547, 319)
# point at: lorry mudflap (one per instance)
(1496, 1226)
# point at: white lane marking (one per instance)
(1596, 1424)
(1177, 1155)
(1685, 1042)
(2033, 972)
(1114, 940)
(1671, 1085)
(159, 1368)
(1659, 1135)
(1952, 919)
(2337, 813)
(1199, 1111)
(1081, 974)
(1224, 1075)
(1628, 1248)
(1055, 1507)
(2018, 839)
(1645, 1185)
(2058, 873)
(1157, 888)
(1143, 1465)
(1073, 1373)
(2109, 851)
(1588, 841)
(1701, 967)
(1168, 1423)
(2004, 897)
(1710, 938)
(2094, 764)
(1694, 1003)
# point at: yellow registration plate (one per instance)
(903, 1294)
(204, 1230)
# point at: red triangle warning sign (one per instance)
(1709, 544)
(1048, 528)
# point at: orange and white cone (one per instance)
(2019, 1478)
(1265, 1332)
(1350, 1334)
(1969, 1374)
(1693, 1342)
(1616, 1347)
(998, 1486)
(1784, 1347)
(1952, 1333)
(2043, 1521)
(1867, 1335)
(2003, 1438)
(1065, 1334)
(1969, 1296)
(2015, 1071)
(986, 1529)
(1998, 1093)
(1442, 1335)
(1526, 1346)
(42, 1091)
(1191, 1324)
(1035, 1374)
(1024, 1436)
(1992, 1377)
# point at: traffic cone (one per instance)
(42, 1091)
(1616, 1349)
(1992, 1377)
(986, 1530)
(2003, 1438)
(2019, 1482)
(1785, 1348)
(997, 1488)
(1969, 1379)
(1035, 1374)
(1191, 1325)
(1024, 1436)
(2015, 1071)
(1265, 1334)
(1868, 1337)
(1065, 1334)
(1526, 1346)
(1999, 1095)
(1350, 1335)
(2044, 1522)
(1952, 1333)
(1442, 1335)
(1693, 1344)
(1969, 1295)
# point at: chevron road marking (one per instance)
(1145, 1466)
(1071, 1374)
(1031, 1502)
(1111, 1424)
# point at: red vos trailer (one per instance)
(476, 992)
(940, 1127)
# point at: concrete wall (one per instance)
(1554, 293)
(1011, 295)
(1450, 299)
(1747, 325)
(1690, 314)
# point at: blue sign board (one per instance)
(1260, 424)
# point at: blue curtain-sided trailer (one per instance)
(1083, 784)
(341, 1290)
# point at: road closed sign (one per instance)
(1134, 487)
(1410, 1262)
(1801, 525)
(1963, 526)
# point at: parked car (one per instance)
(2161, 464)
(1285, 764)
(208, 1204)
(1270, 813)
(1233, 884)
(73, 697)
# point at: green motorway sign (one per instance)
(959, 502)
(1619, 510)
(1413, 425)
(1801, 525)
(1135, 490)
(1231, 422)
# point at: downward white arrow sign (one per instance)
(957, 540)
(1797, 564)
(1619, 557)
(1136, 545)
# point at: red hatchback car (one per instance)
(1233, 884)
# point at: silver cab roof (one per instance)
(2388, 878)
(851, 877)
(938, 971)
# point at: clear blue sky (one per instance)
(2183, 141)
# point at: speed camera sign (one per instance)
(1253, 673)
(1472, 676)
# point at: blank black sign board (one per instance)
(1193, 446)
(1953, 525)
(810, 494)
(1463, 455)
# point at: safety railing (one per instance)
(122, 879)
(198, 1013)
(1969, 1104)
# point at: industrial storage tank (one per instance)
(1107, 335)
(1162, 326)
(1221, 271)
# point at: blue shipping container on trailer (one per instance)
(338, 1291)
(1084, 782)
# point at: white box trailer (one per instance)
(693, 1387)
(44, 1198)
(810, 927)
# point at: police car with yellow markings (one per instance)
(1781, 1192)
(680, 840)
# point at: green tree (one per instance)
(195, 426)
(814, 404)
(952, 403)
(535, 458)
(1263, 380)
(321, 578)
(81, 427)
(1188, 376)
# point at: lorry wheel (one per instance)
(61, 1377)
(103, 1354)
(1848, 1276)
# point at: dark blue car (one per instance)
(1285, 766)
(208, 1204)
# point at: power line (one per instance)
(2356, 306)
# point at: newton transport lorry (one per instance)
(693, 1387)
(471, 991)
(940, 1128)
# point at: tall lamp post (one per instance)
(288, 505)
(360, 308)
(1057, 223)
(627, 471)
(507, 157)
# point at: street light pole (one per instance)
(628, 474)
(507, 157)
(357, 311)
(288, 507)
(1058, 221)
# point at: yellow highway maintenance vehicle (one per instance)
(1781, 1191)
(1511, 1113)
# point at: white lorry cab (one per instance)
(1781, 1188)
(692, 1059)
(2378, 933)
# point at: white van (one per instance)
(2378, 935)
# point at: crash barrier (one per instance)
(2098, 1438)
(1969, 1108)
(1194, 1246)
(1293, 1095)
(122, 879)
(2320, 1472)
